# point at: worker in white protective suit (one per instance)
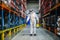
(33, 17)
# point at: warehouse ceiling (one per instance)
(33, 4)
(32, 1)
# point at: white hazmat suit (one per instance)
(33, 17)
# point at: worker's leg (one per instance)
(31, 28)
(34, 27)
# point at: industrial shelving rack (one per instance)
(50, 10)
(12, 17)
(11, 14)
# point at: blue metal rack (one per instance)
(2, 19)
(9, 19)
(12, 19)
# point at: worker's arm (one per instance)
(37, 18)
(28, 18)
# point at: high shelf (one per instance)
(12, 17)
(50, 10)
(12, 13)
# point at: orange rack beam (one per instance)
(56, 6)
(4, 6)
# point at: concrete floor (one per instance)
(42, 34)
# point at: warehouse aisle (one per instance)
(42, 34)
